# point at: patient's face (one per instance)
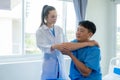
(82, 34)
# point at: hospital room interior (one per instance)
(21, 59)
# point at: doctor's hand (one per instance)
(57, 46)
(69, 45)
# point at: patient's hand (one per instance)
(66, 51)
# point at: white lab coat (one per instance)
(45, 39)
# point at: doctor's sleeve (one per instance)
(42, 43)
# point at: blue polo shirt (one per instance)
(90, 56)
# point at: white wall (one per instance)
(23, 67)
(102, 13)
(20, 68)
(20, 71)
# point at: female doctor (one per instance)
(49, 38)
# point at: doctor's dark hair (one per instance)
(89, 25)
(45, 12)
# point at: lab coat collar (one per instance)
(45, 27)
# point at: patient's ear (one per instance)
(90, 34)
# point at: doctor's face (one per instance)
(52, 17)
(83, 34)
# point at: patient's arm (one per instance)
(73, 46)
(82, 68)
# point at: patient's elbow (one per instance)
(86, 74)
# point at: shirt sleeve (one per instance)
(42, 42)
(93, 59)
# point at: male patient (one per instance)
(85, 64)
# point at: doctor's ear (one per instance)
(45, 19)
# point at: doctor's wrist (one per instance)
(52, 47)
